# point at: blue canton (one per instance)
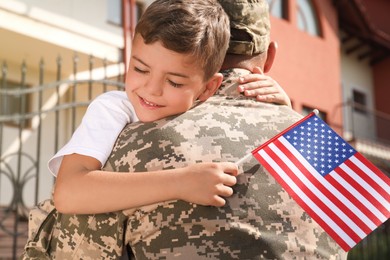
(322, 147)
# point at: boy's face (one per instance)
(161, 82)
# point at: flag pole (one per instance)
(243, 159)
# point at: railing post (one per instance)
(3, 101)
(105, 75)
(350, 109)
(74, 92)
(57, 112)
(39, 129)
(90, 77)
(17, 200)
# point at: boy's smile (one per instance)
(161, 82)
(148, 104)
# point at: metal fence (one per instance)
(35, 121)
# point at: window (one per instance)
(307, 17)
(359, 101)
(307, 110)
(14, 104)
(278, 8)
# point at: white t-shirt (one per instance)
(105, 118)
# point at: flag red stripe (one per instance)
(368, 179)
(361, 190)
(373, 168)
(379, 195)
(328, 229)
(318, 201)
(319, 185)
(353, 199)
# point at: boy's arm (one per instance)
(263, 87)
(81, 188)
(101, 124)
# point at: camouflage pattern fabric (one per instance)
(251, 17)
(260, 221)
(42, 219)
(53, 235)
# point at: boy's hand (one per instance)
(207, 183)
(263, 87)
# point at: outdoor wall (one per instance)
(382, 98)
(88, 18)
(308, 67)
(357, 75)
(33, 29)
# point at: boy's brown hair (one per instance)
(199, 28)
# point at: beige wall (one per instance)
(357, 75)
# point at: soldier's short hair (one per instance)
(200, 28)
(250, 26)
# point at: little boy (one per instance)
(177, 50)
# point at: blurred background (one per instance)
(55, 56)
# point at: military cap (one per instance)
(251, 17)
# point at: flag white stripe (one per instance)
(371, 174)
(359, 196)
(307, 200)
(366, 186)
(309, 185)
(329, 186)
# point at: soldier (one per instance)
(259, 220)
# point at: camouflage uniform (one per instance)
(260, 221)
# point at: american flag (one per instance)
(340, 189)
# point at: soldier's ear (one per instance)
(211, 86)
(271, 53)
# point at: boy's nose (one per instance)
(154, 87)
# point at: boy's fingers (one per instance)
(226, 191)
(273, 98)
(251, 78)
(229, 180)
(218, 201)
(261, 91)
(230, 168)
(267, 98)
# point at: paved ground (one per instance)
(7, 225)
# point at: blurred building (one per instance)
(333, 55)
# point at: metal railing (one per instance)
(369, 132)
(33, 123)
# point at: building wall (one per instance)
(33, 29)
(381, 72)
(87, 13)
(357, 75)
(308, 67)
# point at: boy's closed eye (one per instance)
(174, 84)
(139, 70)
